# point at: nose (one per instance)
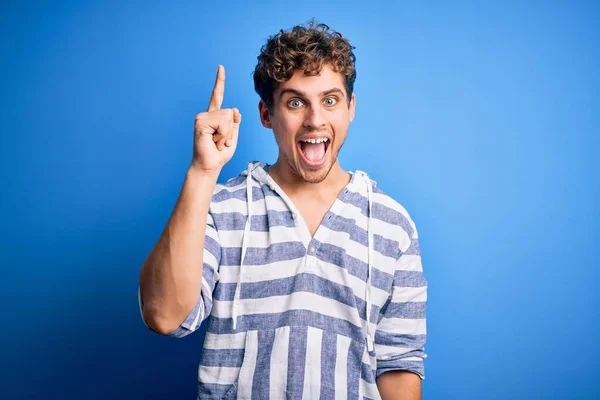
(314, 118)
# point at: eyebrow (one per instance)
(301, 94)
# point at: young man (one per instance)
(310, 276)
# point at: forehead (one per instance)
(313, 85)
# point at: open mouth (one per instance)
(314, 151)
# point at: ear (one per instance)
(265, 115)
(352, 107)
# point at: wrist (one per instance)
(197, 172)
(199, 180)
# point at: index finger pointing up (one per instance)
(216, 99)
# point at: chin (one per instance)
(311, 175)
(315, 177)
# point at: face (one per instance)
(310, 118)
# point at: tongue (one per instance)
(313, 151)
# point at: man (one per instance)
(310, 276)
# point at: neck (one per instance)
(293, 184)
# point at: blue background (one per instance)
(482, 120)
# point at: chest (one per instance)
(312, 214)
(287, 242)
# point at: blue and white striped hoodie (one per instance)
(287, 313)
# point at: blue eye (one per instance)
(294, 103)
(330, 101)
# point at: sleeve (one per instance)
(401, 332)
(210, 277)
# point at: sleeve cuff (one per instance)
(189, 325)
(417, 367)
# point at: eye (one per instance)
(295, 103)
(330, 101)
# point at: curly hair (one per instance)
(304, 47)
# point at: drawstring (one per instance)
(369, 261)
(236, 296)
(370, 344)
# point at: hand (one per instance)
(216, 131)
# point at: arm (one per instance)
(399, 385)
(175, 287)
(171, 276)
(401, 332)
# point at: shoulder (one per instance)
(234, 189)
(392, 211)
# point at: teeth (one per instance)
(314, 141)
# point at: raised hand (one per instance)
(216, 131)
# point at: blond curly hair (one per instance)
(304, 47)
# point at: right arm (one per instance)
(170, 282)
(171, 276)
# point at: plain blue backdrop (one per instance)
(482, 120)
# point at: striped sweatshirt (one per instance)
(294, 316)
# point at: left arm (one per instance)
(399, 385)
(401, 332)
